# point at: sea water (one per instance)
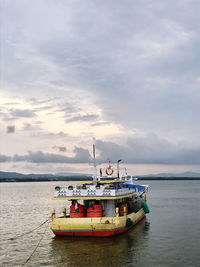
(169, 236)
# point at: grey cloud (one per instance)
(23, 113)
(2, 113)
(68, 108)
(27, 126)
(81, 156)
(4, 158)
(62, 134)
(43, 108)
(33, 127)
(60, 83)
(6, 117)
(50, 135)
(11, 129)
(101, 123)
(148, 150)
(140, 59)
(59, 134)
(83, 118)
(141, 74)
(40, 157)
(60, 148)
(38, 101)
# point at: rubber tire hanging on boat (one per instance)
(129, 222)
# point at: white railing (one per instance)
(93, 192)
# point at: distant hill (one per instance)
(19, 177)
(174, 175)
(14, 176)
(71, 174)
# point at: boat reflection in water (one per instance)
(116, 251)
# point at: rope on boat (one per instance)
(16, 237)
(35, 247)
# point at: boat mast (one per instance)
(95, 167)
(118, 168)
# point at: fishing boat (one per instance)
(107, 206)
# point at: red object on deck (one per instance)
(77, 213)
(94, 211)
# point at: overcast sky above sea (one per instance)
(126, 73)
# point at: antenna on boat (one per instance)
(95, 167)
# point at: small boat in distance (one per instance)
(102, 207)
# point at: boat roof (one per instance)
(97, 190)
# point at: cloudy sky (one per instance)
(126, 73)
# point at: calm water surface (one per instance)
(168, 237)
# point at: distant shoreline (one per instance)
(71, 179)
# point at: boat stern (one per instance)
(99, 227)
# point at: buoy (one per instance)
(145, 207)
(129, 222)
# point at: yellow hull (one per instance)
(98, 226)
